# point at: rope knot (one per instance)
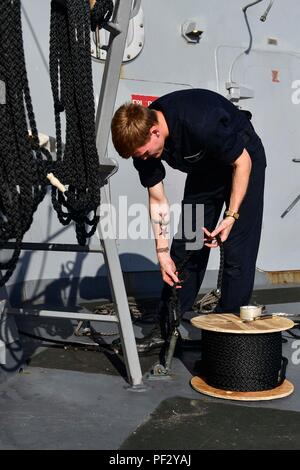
(101, 13)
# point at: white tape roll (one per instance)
(249, 312)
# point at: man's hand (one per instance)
(223, 230)
(240, 179)
(168, 269)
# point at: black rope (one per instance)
(213, 297)
(71, 80)
(98, 344)
(209, 301)
(23, 163)
(242, 362)
(174, 301)
(221, 266)
(101, 13)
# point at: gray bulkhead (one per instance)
(158, 60)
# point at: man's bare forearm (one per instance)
(240, 180)
(160, 216)
(160, 219)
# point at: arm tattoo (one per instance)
(163, 225)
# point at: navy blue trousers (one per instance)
(241, 247)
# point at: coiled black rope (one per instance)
(23, 163)
(242, 362)
(71, 80)
(101, 13)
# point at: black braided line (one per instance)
(174, 310)
(221, 266)
(101, 13)
(174, 302)
(242, 362)
(22, 164)
(210, 300)
(72, 88)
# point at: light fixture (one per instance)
(191, 32)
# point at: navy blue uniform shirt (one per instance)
(206, 135)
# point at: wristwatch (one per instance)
(233, 214)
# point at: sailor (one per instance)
(201, 133)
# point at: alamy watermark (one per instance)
(295, 358)
(126, 221)
(296, 93)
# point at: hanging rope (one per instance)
(23, 163)
(209, 301)
(242, 362)
(101, 13)
(77, 166)
(174, 301)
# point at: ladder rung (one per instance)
(61, 314)
(32, 246)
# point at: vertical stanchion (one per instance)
(118, 29)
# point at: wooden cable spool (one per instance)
(230, 323)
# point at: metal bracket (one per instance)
(238, 92)
(8, 331)
(290, 207)
(160, 371)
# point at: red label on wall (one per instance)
(275, 76)
(143, 99)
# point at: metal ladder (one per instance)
(118, 28)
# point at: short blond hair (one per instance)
(130, 128)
